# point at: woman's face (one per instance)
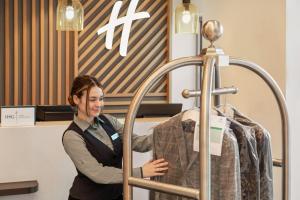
(95, 102)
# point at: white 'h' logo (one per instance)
(126, 20)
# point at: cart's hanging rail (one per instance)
(209, 60)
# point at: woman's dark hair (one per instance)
(80, 84)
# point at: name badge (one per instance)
(114, 136)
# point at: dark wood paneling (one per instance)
(15, 188)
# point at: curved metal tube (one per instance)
(204, 126)
(277, 162)
(136, 101)
(163, 187)
(284, 118)
(194, 93)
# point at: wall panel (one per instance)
(147, 50)
(30, 57)
(38, 63)
(34, 54)
(2, 52)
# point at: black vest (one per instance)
(85, 189)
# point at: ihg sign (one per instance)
(18, 116)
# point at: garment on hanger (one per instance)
(264, 151)
(249, 163)
(173, 141)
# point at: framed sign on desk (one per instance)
(17, 116)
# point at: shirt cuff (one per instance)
(137, 173)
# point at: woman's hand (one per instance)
(155, 168)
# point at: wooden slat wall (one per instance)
(51, 52)
(76, 54)
(16, 52)
(25, 27)
(42, 53)
(2, 51)
(59, 68)
(66, 95)
(33, 53)
(7, 53)
(40, 63)
(147, 50)
(33, 57)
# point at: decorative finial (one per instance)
(212, 30)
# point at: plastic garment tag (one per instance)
(217, 128)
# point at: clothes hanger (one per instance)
(226, 109)
(191, 114)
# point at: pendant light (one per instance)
(186, 18)
(69, 15)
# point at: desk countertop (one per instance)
(65, 123)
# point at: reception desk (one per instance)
(36, 153)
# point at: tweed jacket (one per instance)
(174, 144)
(249, 163)
(263, 140)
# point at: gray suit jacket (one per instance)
(249, 163)
(264, 152)
(175, 145)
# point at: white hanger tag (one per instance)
(217, 128)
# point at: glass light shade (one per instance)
(69, 15)
(186, 18)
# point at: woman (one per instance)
(94, 143)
